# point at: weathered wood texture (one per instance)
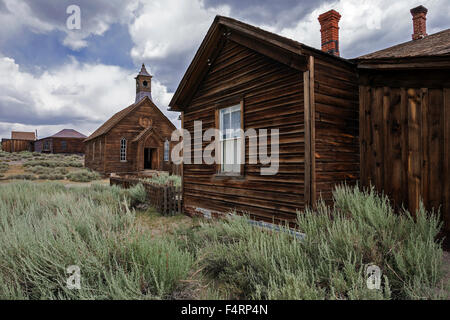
(273, 99)
(103, 152)
(60, 145)
(14, 145)
(335, 134)
(405, 140)
(166, 199)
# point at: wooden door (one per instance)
(154, 159)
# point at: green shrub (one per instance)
(163, 178)
(22, 177)
(51, 177)
(92, 228)
(3, 167)
(137, 194)
(47, 171)
(83, 176)
(330, 263)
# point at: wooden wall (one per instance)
(95, 153)
(273, 99)
(14, 145)
(405, 137)
(107, 160)
(336, 116)
(74, 145)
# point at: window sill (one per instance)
(229, 175)
(123, 160)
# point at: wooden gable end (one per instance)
(272, 97)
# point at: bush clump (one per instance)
(90, 227)
(22, 177)
(3, 167)
(163, 178)
(84, 175)
(53, 163)
(361, 229)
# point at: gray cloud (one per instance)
(280, 14)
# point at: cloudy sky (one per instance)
(53, 78)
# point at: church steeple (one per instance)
(143, 85)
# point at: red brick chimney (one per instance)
(329, 23)
(419, 22)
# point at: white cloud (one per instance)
(365, 25)
(45, 16)
(79, 95)
(170, 27)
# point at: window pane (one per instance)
(226, 126)
(236, 122)
(230, 124)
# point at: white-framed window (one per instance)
(123, 149)
(93, 150)
(230, 139)
(100, 148)
(166, 150)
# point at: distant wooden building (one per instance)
(404, 95)
(134, 139)
(65, 141)
(20, 141)
(266, 81)
(383, 118)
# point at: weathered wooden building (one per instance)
(270, 82)
(65, 141)
(382, 118)
(134, 139)
(20, 141)
(404, 94)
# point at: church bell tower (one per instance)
(143, 85)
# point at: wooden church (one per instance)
(134, 139)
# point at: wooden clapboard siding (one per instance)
(15, 145)
(335, 148)
(272, 94)
(107, 158)
(404, 133)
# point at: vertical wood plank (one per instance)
(395, 146)
(414, 144)
(404, 145)
(368, 131)
(386, 140)
(378, 149)
(446, 116)
(313, 129)
(436, 146)
(425, 150)
(362, 136)
(306, 113)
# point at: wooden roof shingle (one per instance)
(435, 45)
(117, 117)
(68, 133)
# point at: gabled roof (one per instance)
(284, 50)
(435, 45)
(117, 117)
(21, 135)
(145, 133)
(68, 133)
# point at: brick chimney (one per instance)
(329, 23)
(419, 22)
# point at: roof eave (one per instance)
(284, 50)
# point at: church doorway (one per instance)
(150, 159)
